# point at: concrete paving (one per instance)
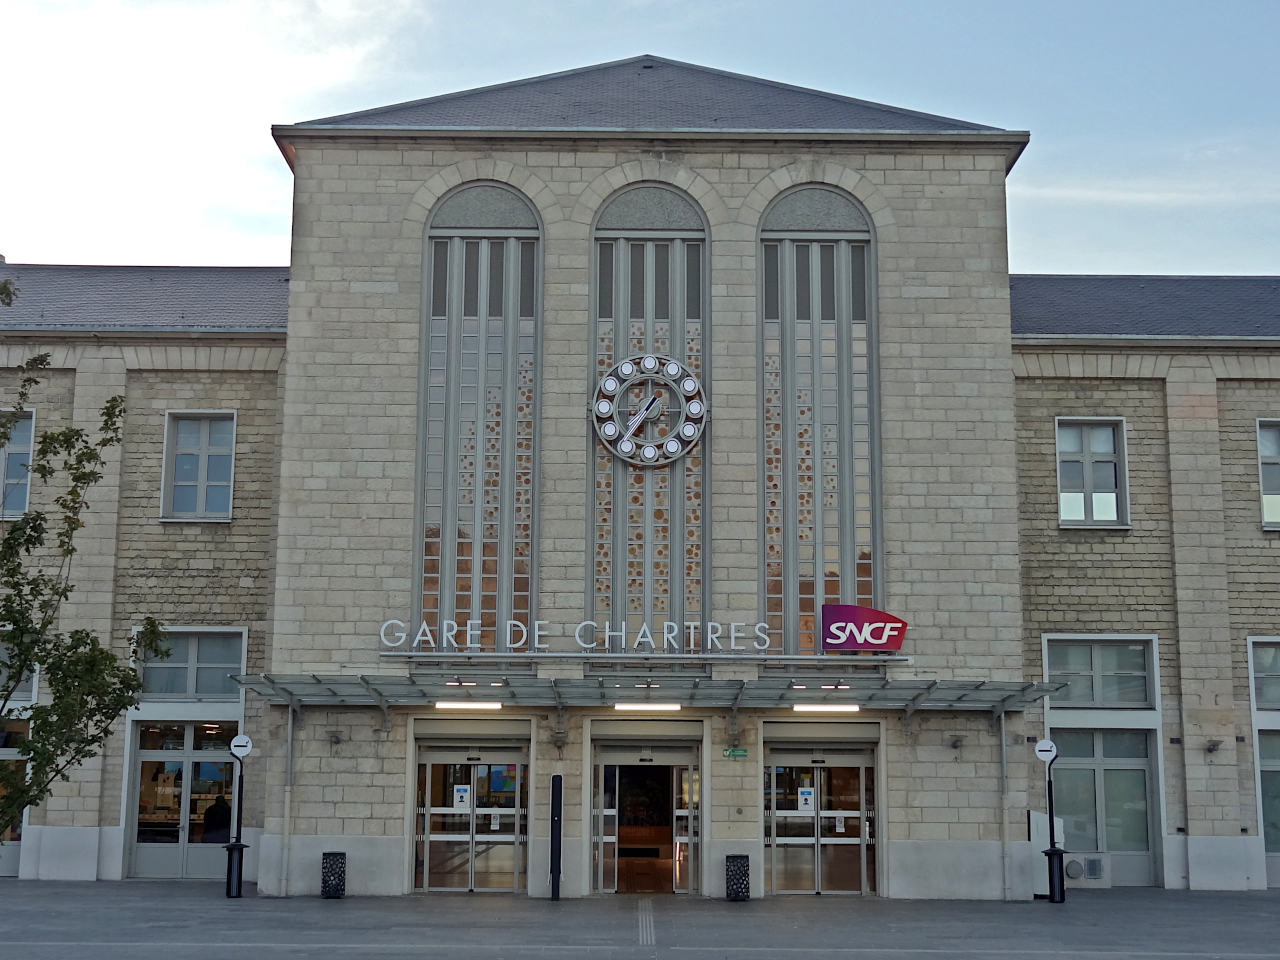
(141, 920)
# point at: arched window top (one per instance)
(484, 206)
(650, 208)
(815, 208)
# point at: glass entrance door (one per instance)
(185, 789)
(472, 821)
(1101, 787)
(819, 816)
(646, 819)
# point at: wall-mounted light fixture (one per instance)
(957, 741)
(1211, 746)
(648, 707)
(468, 705)
(826, 708)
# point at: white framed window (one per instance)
(1269, 472)
(1092, 479)
(199, 464)
(199, 666)
(1102, 673)
(1266, 675)
(15, 459)
(24, 692)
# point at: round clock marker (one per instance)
(650, 410)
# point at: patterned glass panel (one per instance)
(816, 429)
(479, 438)
(647, 523)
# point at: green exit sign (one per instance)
(735, 753)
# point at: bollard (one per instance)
(1057, 891)
(235, 868)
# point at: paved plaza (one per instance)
(140, 920)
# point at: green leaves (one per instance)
(84, 687)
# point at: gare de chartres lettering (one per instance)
(666, 637)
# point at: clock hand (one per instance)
(638, 418)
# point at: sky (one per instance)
(139, 131)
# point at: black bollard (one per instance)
(235, 868)
(1057, 891)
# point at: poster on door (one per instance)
(462, 797)
(804, 798)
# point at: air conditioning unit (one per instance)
(1087, 870)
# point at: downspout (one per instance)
(288, 806)
(1004, 812)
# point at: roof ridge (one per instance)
(702, 68)
(484, 88)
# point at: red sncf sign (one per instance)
(846, 627)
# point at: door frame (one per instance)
(822, 759)
(429, 753)
(188, 756)
(674, 753)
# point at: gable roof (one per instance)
(73, 298)
(649, 94)
(1050, 305)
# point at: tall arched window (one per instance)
(480, 355)
(818, 428)
(648, 522)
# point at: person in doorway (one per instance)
(217, 822)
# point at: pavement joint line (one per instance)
(1074, 952)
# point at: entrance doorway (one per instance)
(819, 822)
(185, 788)
(472, 821)
(645, 819)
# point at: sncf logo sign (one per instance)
(846, 627)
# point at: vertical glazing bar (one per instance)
(847, 497)
(647, 497)
(621, 493)
(480, 487)
(677, 548)
(790, 544)
(453, 394)
(817, 315)
(513, 282)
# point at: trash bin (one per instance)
(737, 876)
(333, 875)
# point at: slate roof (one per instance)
(1144, 306)
(154, 299)
(256, 299)
(648, 93)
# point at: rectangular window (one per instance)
(1101, 785)
(1108, 673)
(1269, 762)
(1266, 676)
(1092, 489)
(200, 450)
(199, 667)
(1269, 472)
(15, 457)
(25, 687)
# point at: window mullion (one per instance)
(787, 281)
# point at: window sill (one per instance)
(195, 519)
(1271, 528)
(1097, 526)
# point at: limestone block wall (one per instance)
(1198, 571)
(348, 535)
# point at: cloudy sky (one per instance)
(138, 131)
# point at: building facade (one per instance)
(505, 518)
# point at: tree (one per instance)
(84, 687)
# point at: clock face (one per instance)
(649, 410)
